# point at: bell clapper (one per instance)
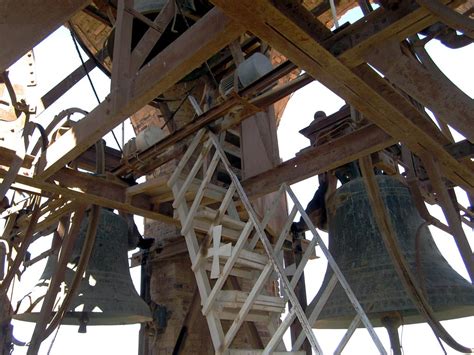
(391, 321)
(83, 320)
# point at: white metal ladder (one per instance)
(241, 260)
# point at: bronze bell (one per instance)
(358, 248)
(106, 295)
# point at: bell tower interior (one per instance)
(236, 177)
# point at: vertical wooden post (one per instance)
(294, 256)
(120, 79)
(449, 210)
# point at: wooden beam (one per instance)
(152, 35)
(86, 188)
(210, 34)
(359, 35)
(202, 121)
(120, 78)
(291, 29)
(67, 83)
(23, 24)
(319, 159)
(430, 88)
(380, 26)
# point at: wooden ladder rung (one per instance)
(236, 271)
(234, 300)
(160, 192)
(208, 214)
(227, 233)
(231, 149)
(246, 263)
(252, 315)
(245, 259)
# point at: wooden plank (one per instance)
(347, 336)
(68, 82)
(216, 225)
(315, 307)
(278, 335)
(25, 23)
(151, 36)
(288, 28)
(380, 26)
(121, 75)
(148, 187)
(203, 39)
(247, 305)
(320, 159)
(187, 223)
(192, 174)
(255, 340)
(416, 138)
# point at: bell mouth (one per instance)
(94, 318)
(408, 317)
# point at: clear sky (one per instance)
(56, 58)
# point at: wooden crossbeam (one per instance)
(431, 88)
(152, 35)
(197, 44)
(450, 213)
(319, 159)
(380, 26)
(290, 28)
(23, 24)
(86, 188)
(350, 45)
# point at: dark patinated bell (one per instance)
(106, 295)
(358, 248)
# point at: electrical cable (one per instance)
(183, 100)
(76, 45)
(54, 340)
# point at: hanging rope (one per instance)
(76, 45)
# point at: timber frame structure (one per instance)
(378, 65)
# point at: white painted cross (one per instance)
(218, 250)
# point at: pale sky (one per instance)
(299, 113)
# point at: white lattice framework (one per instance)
(240, 255)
